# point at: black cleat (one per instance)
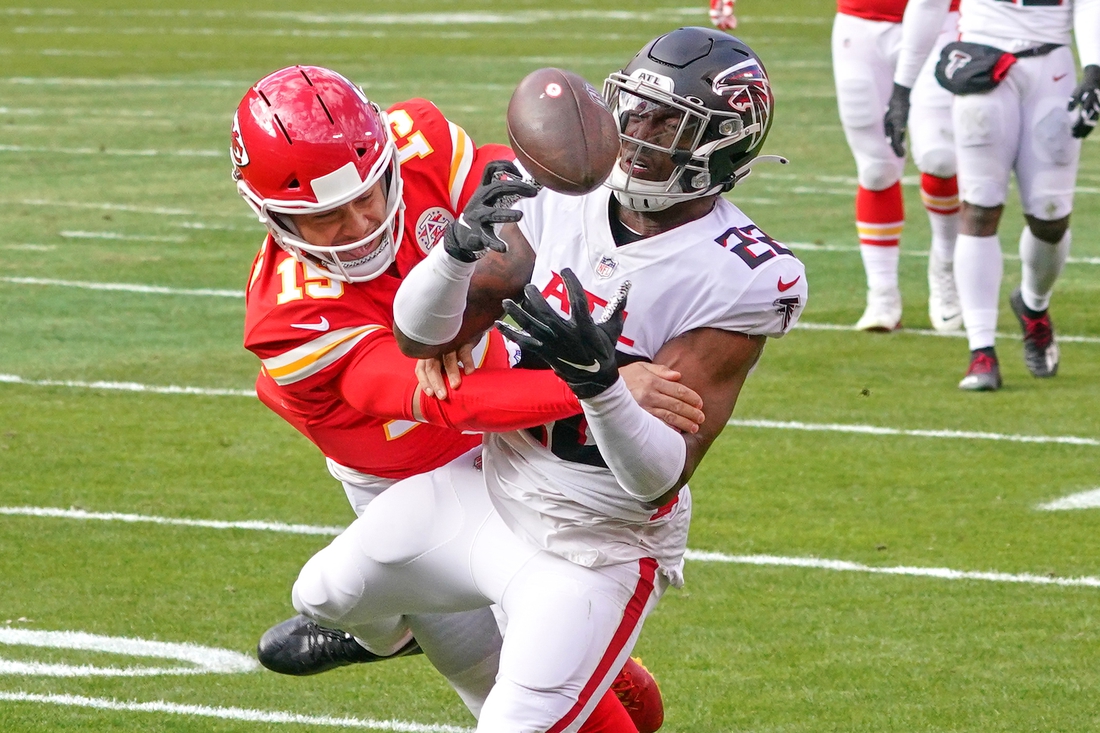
(984, 374)
(300, 647)
(1040, 347)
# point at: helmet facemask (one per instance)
(305, 140)
(722, 114)
(334, 190)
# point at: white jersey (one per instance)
(1014, 25)
(550, 484)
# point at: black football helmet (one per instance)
(712, 93)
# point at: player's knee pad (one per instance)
(938, 162)
(880, 175)
(326, 591)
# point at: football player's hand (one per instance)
(658, 390)
(1085, 99)
(721, 14)
(436, 374)
(897, 119)
(579, 350)
(473, 233)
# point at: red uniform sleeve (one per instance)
(380, 381)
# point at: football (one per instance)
(561, 131)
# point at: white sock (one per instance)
(1041, 264)
(881, 266)
(978, 269)
(945, 229)
(464, 647)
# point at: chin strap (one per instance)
(743, 172)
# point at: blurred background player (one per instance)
(933, 143)
(721, 14)
(341, 187)
(865, 45)
(577, 529)
(1021, 126)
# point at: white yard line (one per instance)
(128, 387)
(877, 430)
(200, 659)
(242, 714)
(699, 556)
(126, 287)
(161, 290)
(1082, 500)
(852, 567)
(767, 424)
(33, 511)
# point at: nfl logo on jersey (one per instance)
(606, 267)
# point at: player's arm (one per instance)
(919, 28)
(454, 294)
(378, 380)
(1085, 99)
(715, 364)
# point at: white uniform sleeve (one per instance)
(1086, 30)
(919, 28)
(429, 304)
(646, 455)
(772, 302)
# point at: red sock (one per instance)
(609, 717)
(940, 195)
(880, 216)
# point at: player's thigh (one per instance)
(987, 138)
(1046, 170)
(864, 56)
(931, 130)
(570, 630)
(409, 552)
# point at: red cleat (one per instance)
(640, 695)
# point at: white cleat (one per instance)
(944, 309)
(883, 311)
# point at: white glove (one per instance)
(721, 14)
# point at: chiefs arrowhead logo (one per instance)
(236, 145)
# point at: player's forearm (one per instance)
(428, 308)
(646, 455)
(500, 400)
(920, 26)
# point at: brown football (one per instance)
(561, 131)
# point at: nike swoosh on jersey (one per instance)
(784, 287)
(322, 326)
(1060, 77)
(593, 367)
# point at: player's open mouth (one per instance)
(364, 259)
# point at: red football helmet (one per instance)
(306, 140)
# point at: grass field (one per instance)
(868, 550)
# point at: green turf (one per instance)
(114, 122)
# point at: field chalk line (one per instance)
(243, 714)
(763, 424)
(214, 292)
(696, 555)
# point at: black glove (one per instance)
(467, 238)
(897, 119)
(579, 350)
(1086, 98)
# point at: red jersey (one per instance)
(440, 167)
(331, 366)
(890, 11)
